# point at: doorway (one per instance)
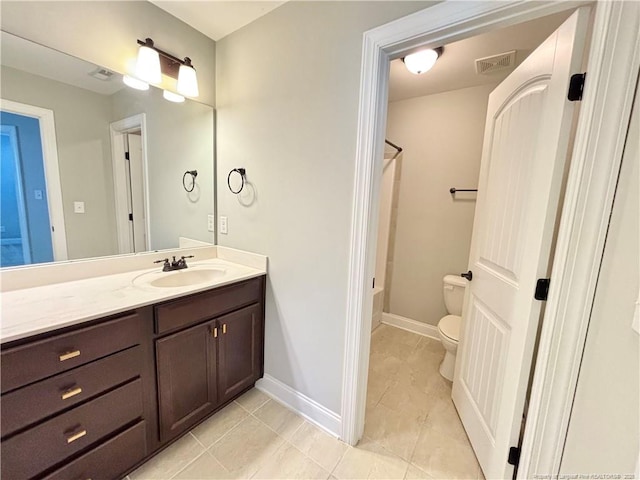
(438, 119)
(445, 21)
(130, 179)
(33, 229)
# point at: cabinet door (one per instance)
(186, 378)
(240, 351)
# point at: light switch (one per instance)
(37, 194)
(223, 225)
(78, 207)
(210, 223)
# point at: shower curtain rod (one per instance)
(393, 145)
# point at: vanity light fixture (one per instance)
(148, 63)
(152, 63)
(133, 82)
(422, 61)
(172, 97)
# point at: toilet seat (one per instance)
(449, 326)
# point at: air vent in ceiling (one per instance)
(495, 63)
(102, 74)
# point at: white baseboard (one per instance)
(311, 410)
(414, 326)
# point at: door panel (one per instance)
(240, 351)
(527, 132)
(186, 378)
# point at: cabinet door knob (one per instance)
(71, 393)
(76, 436)
(69, 355)
(224, 328)
(215, 332)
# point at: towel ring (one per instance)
(242, 173)
(194, 174)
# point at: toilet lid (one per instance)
(450, 327)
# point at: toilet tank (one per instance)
(454, 287)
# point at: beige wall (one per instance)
(441, 136)
(105, 33)
(604, 429)
(287, 99)
(84, 157)
(179, 138)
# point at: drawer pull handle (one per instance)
(224, 328)
(71, 393)
(215, 332)
(76, 436)
(69, 355)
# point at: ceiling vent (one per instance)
(102, 74)
(495, 63)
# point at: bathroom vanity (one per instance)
(96, 398)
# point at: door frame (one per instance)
(117, 131)
(10, 131)
(51, 171)
(613, 65)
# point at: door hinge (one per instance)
(576, 87)
(131, 217)
(514, 456)
(542, 289)
(126, 155)
(374, 283)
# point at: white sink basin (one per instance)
(180, 278)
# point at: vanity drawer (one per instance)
(204, 306)
(33, 451)
(34, 361)
(28, 405)
(109, 460)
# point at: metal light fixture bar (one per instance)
(169, 64)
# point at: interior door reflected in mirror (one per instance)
(91, 167)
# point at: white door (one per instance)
(136, 193)
(525, 150)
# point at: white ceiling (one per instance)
(46, 62)
(217, 18)
(455, 69)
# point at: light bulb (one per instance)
(148, 65)
(187, 81)
(421, 61)
(133, 82)
(172, 97)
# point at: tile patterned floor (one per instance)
(412, 430)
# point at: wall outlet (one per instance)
(37, 194)
(210, 223)
(78, 207)
(223, 225)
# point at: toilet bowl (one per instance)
(449, 325)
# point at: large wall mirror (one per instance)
(91, 167)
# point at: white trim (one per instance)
(410, 325)
(304, 406)
(117, 129)
(613, 65)
(586, 209)
(51, 171)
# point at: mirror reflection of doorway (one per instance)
(25, 230)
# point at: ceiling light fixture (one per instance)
(422, 61)
(152, 63)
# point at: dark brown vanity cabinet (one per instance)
(202, 367)
(79, 400)
(97, 399)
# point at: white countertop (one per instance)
(30, 311)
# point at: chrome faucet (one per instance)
(174, 264)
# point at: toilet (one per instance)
(449, 325)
